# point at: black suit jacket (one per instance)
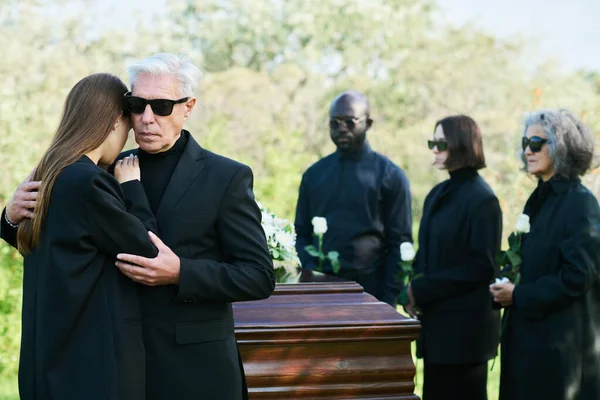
(551, 349)
(459, 238)
(209, 218)
(82, 330)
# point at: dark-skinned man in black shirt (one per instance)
(365, 198)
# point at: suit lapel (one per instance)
(188, 167)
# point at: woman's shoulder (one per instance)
(82, 176)
(481, 188)
(580, 198)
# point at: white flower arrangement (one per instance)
(281, 239)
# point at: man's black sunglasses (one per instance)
(335, 123)
(442, 145)
(535, 143)
(162, 107)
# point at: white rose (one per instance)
(319, 225)
(523, 224)
(407, 251)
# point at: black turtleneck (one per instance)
(462, 174)
(156, 170)
(537, 199)
(457, 177)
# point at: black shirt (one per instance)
(156, 169)
(365, 198)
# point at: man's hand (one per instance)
(22, 203)
(162, 270)
(503, 293)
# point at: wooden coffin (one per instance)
(325, 341)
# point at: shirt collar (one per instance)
(357, 155)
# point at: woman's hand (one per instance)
(410, 307)
(503, 293)
(127, 169)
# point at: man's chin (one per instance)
(344, 146)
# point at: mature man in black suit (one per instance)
(212, 249)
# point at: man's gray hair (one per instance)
(168, 64)
(571, 142)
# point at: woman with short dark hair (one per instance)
(551, 346)
(459, 238)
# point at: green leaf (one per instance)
(517, 279)
(311, 250)
(500, 258)
(275, 254)
(513, 242)
(403, 297)
(333, 256)
(514, 258)
(335, 267)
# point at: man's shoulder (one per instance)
(389, 168)
(222, 161)
(384, 160)
(318, 166)
(126, 153)
(224, 166)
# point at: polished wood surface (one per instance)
(325, 340)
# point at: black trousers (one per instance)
(455, 381)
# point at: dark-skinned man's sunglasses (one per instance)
(442, 145)
(535, 143)
(335, 123)
(162, 107)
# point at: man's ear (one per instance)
(189, 106)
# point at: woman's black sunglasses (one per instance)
(535, 143)
(162, 107)
(442, 145)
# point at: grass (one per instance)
(8, 389)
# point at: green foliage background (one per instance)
(271, 69)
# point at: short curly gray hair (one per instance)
(178, 65)
(571, 142)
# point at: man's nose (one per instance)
(148, 115)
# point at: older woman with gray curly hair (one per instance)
(551, 345)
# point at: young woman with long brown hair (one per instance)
(82, 334)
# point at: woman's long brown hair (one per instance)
(91, 109)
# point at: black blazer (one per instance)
(82, 332)
(209, 218)
(551, 349)
(459, 238)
